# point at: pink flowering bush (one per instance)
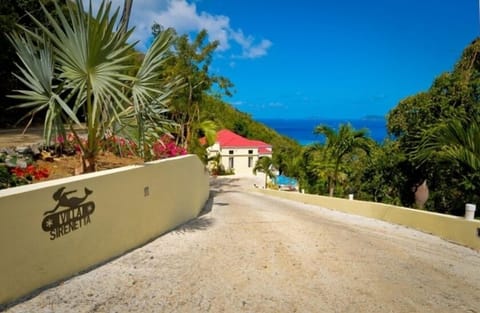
(167, 148)
(118, 146)
(67, 144)
(111, 143)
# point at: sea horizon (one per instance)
(301, 129)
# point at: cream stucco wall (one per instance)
(132, 205)
(240, 158)
(453, 228)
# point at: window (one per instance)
(230, 151)
(230, 162)
(250, 151)
(250, 161)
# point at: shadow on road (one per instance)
(224, 182)
(207, 208)
(203, 221)
(200, 223)
(223, 185)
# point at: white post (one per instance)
(470, 211)
(350, 196)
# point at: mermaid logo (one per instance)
(76, 215)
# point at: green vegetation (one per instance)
(74, 68)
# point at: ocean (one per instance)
(302, 129)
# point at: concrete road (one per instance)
(254, 253)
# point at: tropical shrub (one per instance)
(167, 148)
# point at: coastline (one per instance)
(301, 129)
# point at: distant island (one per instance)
(374, 117)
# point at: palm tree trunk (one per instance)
(88, 164)
(89, 150)
(333, 182)
(190, 118)
(331, 189)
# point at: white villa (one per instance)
(238, 153)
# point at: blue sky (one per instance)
(323, 59)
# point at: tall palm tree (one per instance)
(81, 64)
(264, 165)
(338, 145)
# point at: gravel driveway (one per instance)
(253, 253)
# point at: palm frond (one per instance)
(457, 140)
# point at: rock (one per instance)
(18, 163)
(8, 151)
(23, 150)
(10, 163)
(46, 156)
(36, 149)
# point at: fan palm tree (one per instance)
(338, 145)
(81, 64)
(264, 165)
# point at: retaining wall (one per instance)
(453, 228)
(101, 215)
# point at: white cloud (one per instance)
(185, 18)
(249, 49)
(258, 50)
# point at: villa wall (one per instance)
(240, 159)
(453, 228)
(117, 210)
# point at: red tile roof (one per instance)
(228, 139)
(265, 150)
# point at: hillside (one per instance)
(243, 124)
